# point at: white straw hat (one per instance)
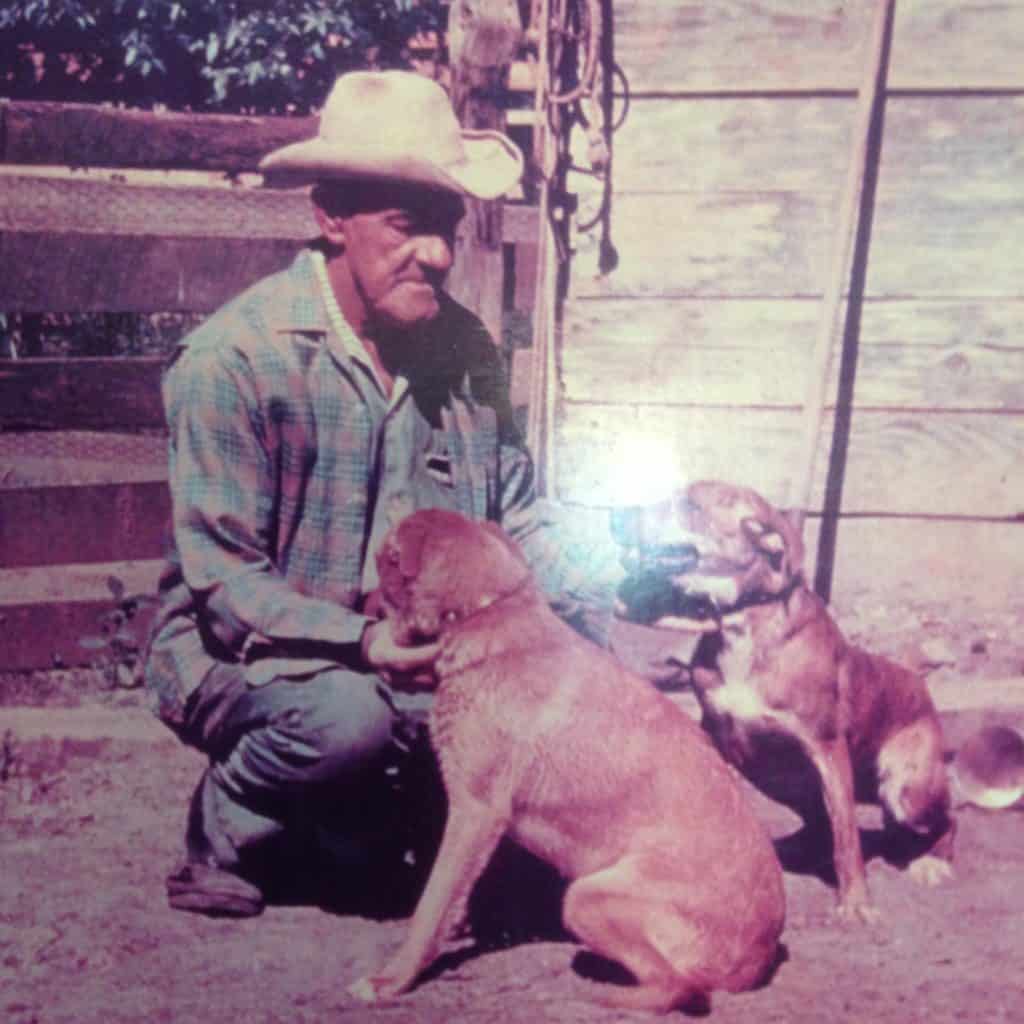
(400, 126)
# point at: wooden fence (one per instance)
(727, 171)
(83, 496)
(727, 174)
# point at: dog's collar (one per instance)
(447, 664)
(762, 597)
(453, 617)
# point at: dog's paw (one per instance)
(374, 989)
(858, 910)
(930, 870)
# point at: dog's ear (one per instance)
(790, 524)
(412, 535)
(496, 531)
(778, 538)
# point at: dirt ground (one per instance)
(92, 797)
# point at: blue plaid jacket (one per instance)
(271, 453)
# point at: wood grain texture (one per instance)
(525, 276)
(42, 636)
(102, 523)
(925, 244)
(953, 464)
(48, 458)
(150, 248)
(90, 135)
(739, 45)
(912, 354)
(89, 205)
(802, 143)
(81, 394)
(44, 613)
(891, 561)
(131, 273)
(44, 272)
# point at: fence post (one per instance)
(483, 37)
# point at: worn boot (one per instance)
(202, 884)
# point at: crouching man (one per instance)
(305, 418)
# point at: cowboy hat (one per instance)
(399, 126)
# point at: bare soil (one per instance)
(92, 799)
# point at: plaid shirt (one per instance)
(275, 445)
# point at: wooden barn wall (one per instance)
(728, 172)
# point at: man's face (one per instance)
(396, 250)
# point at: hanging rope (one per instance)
(575, 89)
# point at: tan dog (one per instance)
(772, 661)
(544, 737)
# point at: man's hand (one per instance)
(398, 664)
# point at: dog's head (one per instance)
(712, 547)
(437, 568)
(745, 546)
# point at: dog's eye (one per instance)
(775, 559)
(753, 527)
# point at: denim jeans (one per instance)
(279, 751)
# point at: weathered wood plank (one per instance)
(967, 44)
(81, 394)
(67, 203)
(102, 523)
(48, 458)
(131, 273)
(887, 560)
(80, 583)
(803, 144)
(48, 635)
(952, 143)
(713, 244)
(912, 354)
(928, 243)
(483, 37)
(925, 464)
(520, 375)
(90, 135)
(525, 273)
(738, 45)
(90, 205)
(44, 613)
(152, 248)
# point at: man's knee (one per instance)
(336, 723)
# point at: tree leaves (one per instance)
(249, 56)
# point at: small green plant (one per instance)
(119, 644)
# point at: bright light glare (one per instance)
(640, 469)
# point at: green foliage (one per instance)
(230, 56)
(254, 56)
(52, 335)
(118, 645)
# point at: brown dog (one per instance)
(544, 737)
(772, 661)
